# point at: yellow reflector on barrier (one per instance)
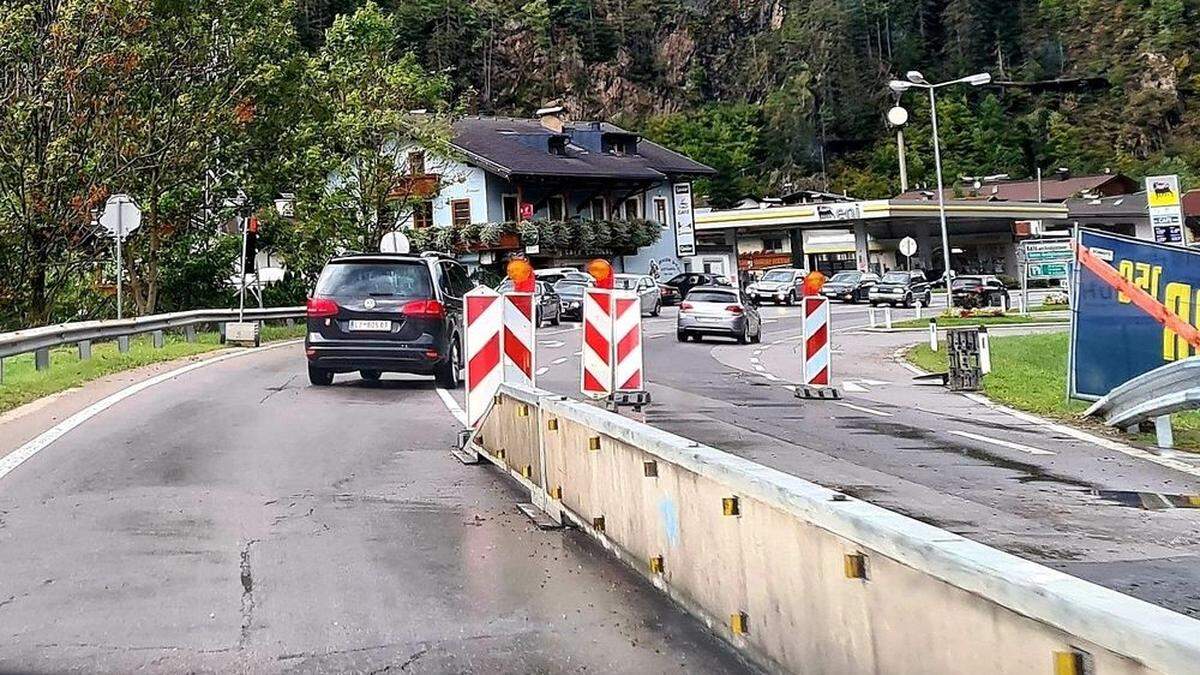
(594, 443)
(523, 410)
(527, 471)
(598, 523)
(500, 453)
(552, 424)
(497, 399)
(1071, 663)
(556, 493)
(650, 469)
(656, 565)
(856, 566)
(730, 506)
(739, 623)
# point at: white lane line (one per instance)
(1002, 443)
(452, 405)
(790, 387)
(559, 361)
(542, 371)
(872, 382)
(770, 320)
(850, 386)
(754, 359)
(863, 409)
(43, 440)
(770, 377)
(553, 344)
(759, 368)
(579, 353)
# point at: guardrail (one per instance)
(801, 578)
(1152, 396)
(40, 340)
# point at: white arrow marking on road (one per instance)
(1002, 443)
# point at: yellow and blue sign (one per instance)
(1112, 338)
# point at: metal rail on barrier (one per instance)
(1160, 392)
(44, 337)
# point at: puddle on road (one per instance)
(1150, 501)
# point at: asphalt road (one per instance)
(937, 456)
(236, 519)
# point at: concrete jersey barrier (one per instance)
(804, 579)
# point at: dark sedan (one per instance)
(850, 287)
(970, 292)
(570, 294)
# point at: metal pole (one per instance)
(903, 164)
(120, 264)
(937, 163)
(1039, 182)
(242, 271)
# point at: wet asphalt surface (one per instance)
(236, 519)
(936, 456)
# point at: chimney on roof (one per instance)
(1063, 173)
(552, 116)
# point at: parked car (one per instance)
(978, 291)
(553, 275)
(570, 294)
(850, 286)
(718, 310)
(549, 305)
(901, 288)
(780, 285)
(646, 288)
(387, 312)
(686, 281)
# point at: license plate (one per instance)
(358, 324)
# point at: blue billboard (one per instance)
(1115, 337)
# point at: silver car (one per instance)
(718, 310)
(646, 288)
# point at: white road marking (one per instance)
(759, 368)
(770, 320)
(872, 382)
(559, 361)
(851, 386)
(863, 409)
(452, 405)
(754, 359)
(44, 439)
(790, 387)
(579, 353)
(770, 377)
(542, 371)
(1002, 443)
(552, 344)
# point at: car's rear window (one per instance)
(778, 275)
(896, 278)
(711, 296)
(392, 279)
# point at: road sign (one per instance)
(817, 363)
(908, 246)
(520, 336)
(121, 216)
(1047, 251)
(394, 242)
(484, 321)
(1048, 270)
(596, 371)
(1134, 310)
(627, 342)
(1166, 214)
(685, 220)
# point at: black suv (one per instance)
(387, 312)
(686, 281)
(901, 288)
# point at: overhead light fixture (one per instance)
(916, 77)
(899, 86)
(979, 79)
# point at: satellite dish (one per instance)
(897, 116)
(394, 242)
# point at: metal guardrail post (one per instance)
(160, 339)
(221, 331)
(41, 358)
(189, 333)
(85, 349)
(123, 344)
(1, 371)
(1163, 432)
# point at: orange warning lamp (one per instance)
(602, 272)
(813, 281)
(521, 273)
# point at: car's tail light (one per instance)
(319, 307)
(734, 309)
(685, 307)
(424, 309)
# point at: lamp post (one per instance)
(916, 79)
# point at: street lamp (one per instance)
(914, 78)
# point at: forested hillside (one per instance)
(183, 101)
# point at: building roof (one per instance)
(1055, 188)
(522, 147)
(1119, 207)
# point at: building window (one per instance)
(416, 163)
(460, 212)
(632, 208)
(660, 210)
(598, 208)
(509, 203)
(557, 206)
(422, 214)
(772, 244)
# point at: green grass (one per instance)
(954, 321)
(1029, 372)
(23, 383)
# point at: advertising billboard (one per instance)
(685, 220)
(1135, 307)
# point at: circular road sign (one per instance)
(394, 242)
(908, 246)
(897, 116)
